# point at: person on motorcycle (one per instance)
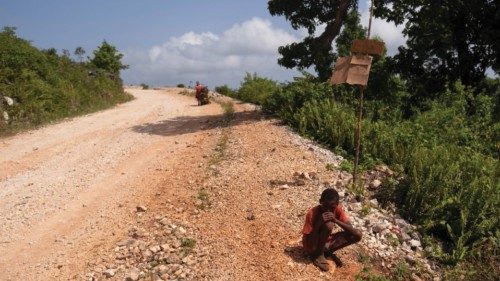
(198, 88)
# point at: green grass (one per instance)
(203, 196)
(187, 246)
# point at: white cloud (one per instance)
(214, 59)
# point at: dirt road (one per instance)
(70, 191)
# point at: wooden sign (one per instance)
(359, 70)
(370, 47)
(341, 68)
(353, 70)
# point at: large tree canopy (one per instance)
(446, 40)
(309, 14)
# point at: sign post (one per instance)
(355, 70)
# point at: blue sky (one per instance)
(170, 41)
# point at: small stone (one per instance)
(404, 237)
(314, 175)
(284, 187)
(379, 227)
(161, 269)
(250, 214)
(155, 249)
(375, 184)
(165, 247)
(414, 244)
(410, 259)
(305, 175)
(300, 182)
(109, 273)
(133, 275)
(414, 277)
(141, 209)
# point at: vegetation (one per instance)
(187, 246)
(144, 86)
(430, 113)
(48, 87)
(226, 91)
(448, 154)
(181, 85)
(308, 15)
(107, 58)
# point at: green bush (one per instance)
(50, 87)
(226, 91)
(181, 86)
(256, 89)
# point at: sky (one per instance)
(172, 41)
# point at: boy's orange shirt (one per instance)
(339, 214)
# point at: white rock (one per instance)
(133, 275)
(415, 243)
(155, 249)
(109, 273)
(375, 184)
(9, 101)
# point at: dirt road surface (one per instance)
(70, 191)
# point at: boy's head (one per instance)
(329, 199)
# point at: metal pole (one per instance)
(358, 136)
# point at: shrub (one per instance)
(144, 86)
(226, 91)
(256, 89)
(49, 87)
(181, 86)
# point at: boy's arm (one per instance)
(348, 227)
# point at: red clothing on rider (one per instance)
(198, 88)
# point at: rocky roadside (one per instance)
(388, 239)
(248, 209)
(158, 249)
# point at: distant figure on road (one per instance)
(198, 88)
(317, 237)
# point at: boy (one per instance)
(317, 237)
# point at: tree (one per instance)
(106, 57)
(446, 40)
(309, 14)
(79, 52)
(66, 53)
(9, 30)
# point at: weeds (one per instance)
(365, 210)
(203, 197)
(228, 108)
(401, 272)
(330, 167)
(187, 246)
(393, 241)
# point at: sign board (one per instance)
(353, 70)
(341, 68)
(359, 70)
(366, 46)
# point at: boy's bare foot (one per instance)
(334, 257)
(321, 263)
